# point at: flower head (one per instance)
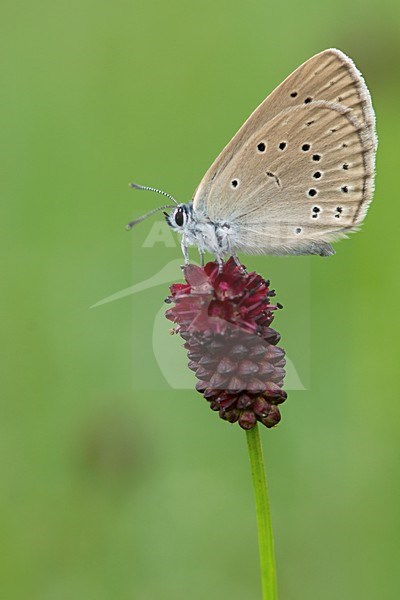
(224, 316)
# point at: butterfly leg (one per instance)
(185, 250)
(234, 256)
(238, 263)
(220, 262)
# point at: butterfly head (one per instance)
(180, 217)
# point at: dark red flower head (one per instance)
(224, 316)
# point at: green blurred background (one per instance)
(113, 484)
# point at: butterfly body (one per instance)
(198, 230)
(298, 175)
(224, 239)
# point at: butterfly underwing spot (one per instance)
(298, 230)
(293, 94)
(317, 175)
(339, 210)
(305, 147)
(345, 166)
(307, 100)
(315, 211)
(309, 123)
(344, 145)
(312, 192)
(277, 180)
(282, 145)
(316, 157)
(339, 99)
(234, 183)
(344, 189)
(261, 147)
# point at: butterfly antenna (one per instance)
(143, 217)
(136, 186)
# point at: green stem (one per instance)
(265, 536)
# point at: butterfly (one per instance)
(298, 174)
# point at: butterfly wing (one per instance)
(300, 170)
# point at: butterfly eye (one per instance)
(179, 217)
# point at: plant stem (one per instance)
(265, 536)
